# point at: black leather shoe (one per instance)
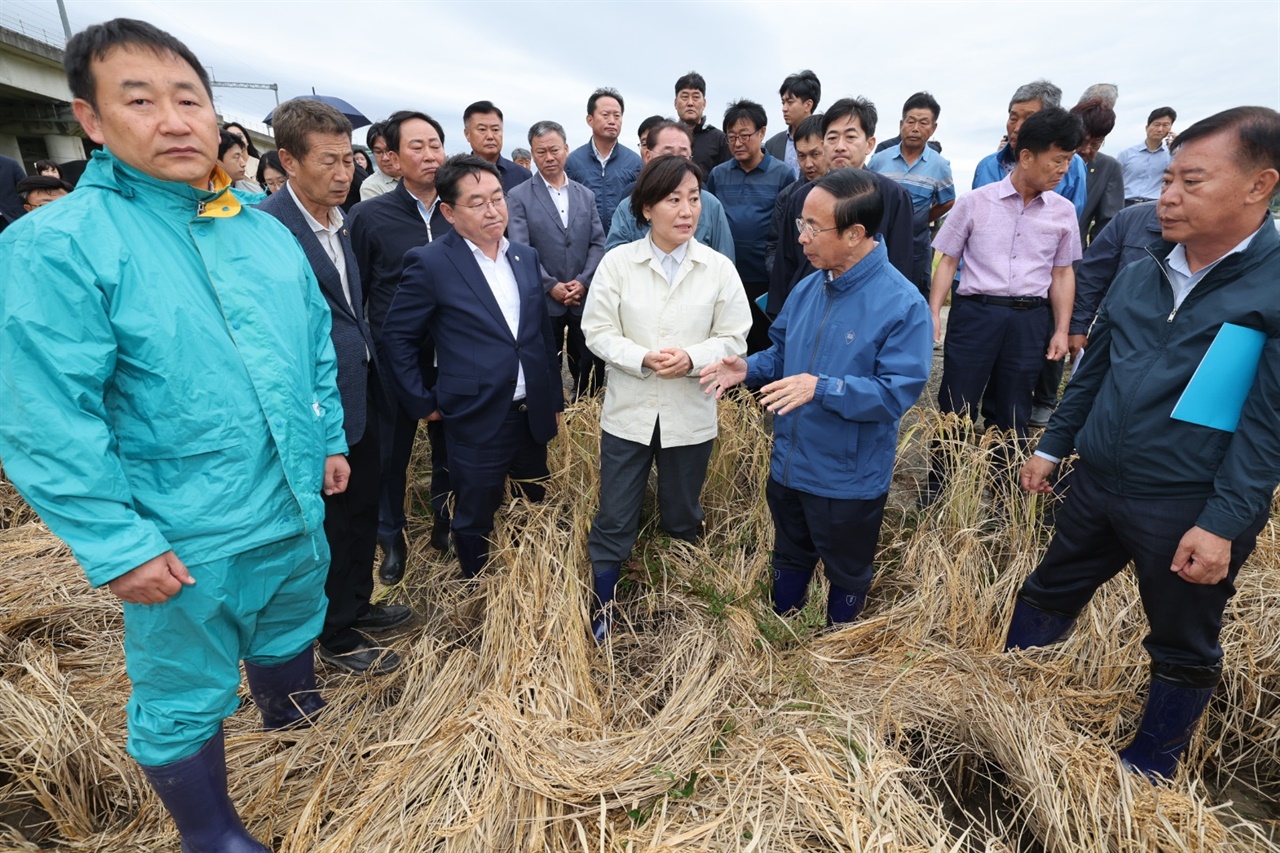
(394, 552)
(383, 617)
(364, 659)
(440, 536)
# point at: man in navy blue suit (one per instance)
(481, 299)
(314, 141)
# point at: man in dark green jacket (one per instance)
(1182, 488)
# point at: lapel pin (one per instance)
(517, 257)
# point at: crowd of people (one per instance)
(216, 360)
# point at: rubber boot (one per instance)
(1030, 626)
(843, 605)
(1175, 703)
(286, 694)
(789, 590)
(194, 790)
(473, 553)
(604, 584)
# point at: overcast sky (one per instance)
(539, 60)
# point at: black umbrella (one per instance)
(356, 117)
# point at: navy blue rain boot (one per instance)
(1030, 626)
(603, 583)
(473, 553)
(194, 790)
(789, 590)
(843, 605)
(286, 694)
(1175, 704)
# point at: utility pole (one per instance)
(66, 23)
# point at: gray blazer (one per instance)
(565, 254)
(776, 145)
(352, 341)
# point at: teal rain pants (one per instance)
(183, 657)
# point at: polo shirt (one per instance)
(748, 199)
(928, 180)
(1009, 248)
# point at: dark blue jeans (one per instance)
(1098, 533)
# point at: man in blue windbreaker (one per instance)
(168, 406)
(851, 353)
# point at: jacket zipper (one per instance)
(813, 357)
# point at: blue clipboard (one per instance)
(1216, 393)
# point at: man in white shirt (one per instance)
(384, 179)
(559, 218)
(314, 142)
(479, 298)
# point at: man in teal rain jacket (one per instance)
(168, 406)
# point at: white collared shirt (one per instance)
(1184, 280)
(670, 263)
(559, 197)
(501, 279)
(329, 240)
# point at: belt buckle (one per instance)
(1024, 303)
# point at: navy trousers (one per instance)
(995, 352)
(351, 527)
(398, 433)
(587, 370)
(478, 470)
(1098, 533)
(844, 533)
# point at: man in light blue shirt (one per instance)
(602, 165)
(1144, 164)
(1026, 102)
(924, 173)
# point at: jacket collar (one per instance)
(870, 266)
(108, 172)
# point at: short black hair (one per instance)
(481, 108)
(643, 130)
(96, 41)
(391, 127)
(248, 140)
(269, 159)
(1163, 112)
(36, 183)
(656, 129)
(659, 178)
(744, 109)
(1049, 127)
(864, 110)
(922, 101)
(809, 127)
(692, 80)
(376, 131)
(297, 118)
(1098, 118)
(1257, 132)
(226, 141)
(41, 165)
(604, 92)
(458, 167)
(858, 198)
(543, 127)
(803, 85)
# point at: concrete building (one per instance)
(35, 104)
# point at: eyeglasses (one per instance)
(740, 137)
(807, 229)
(480, 206)
(275, 184)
